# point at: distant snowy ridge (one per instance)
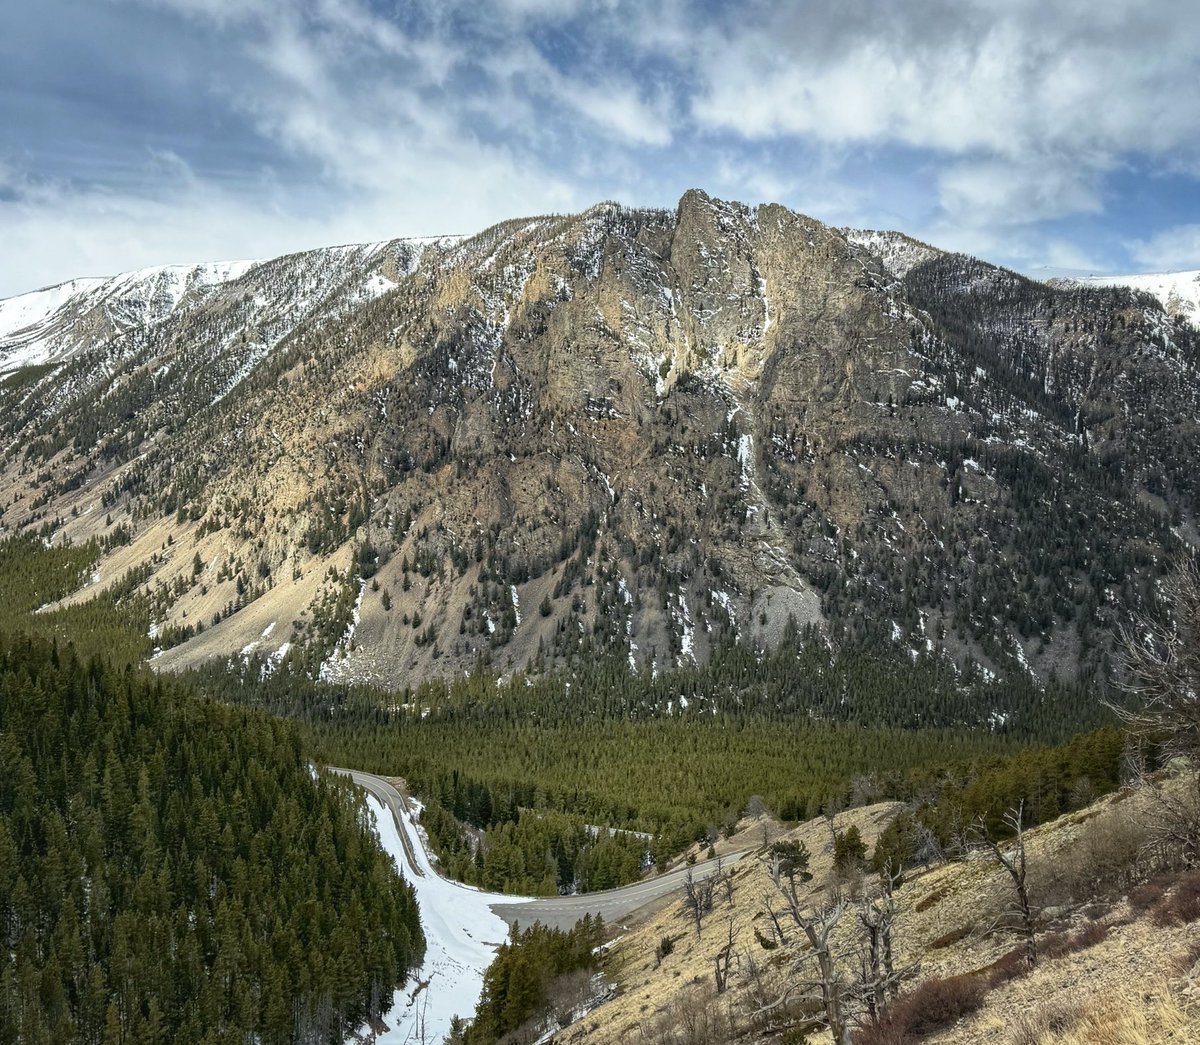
(36, 327)
(1179, 292)
(898, 252)
(53, 324)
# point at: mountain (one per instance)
(1178, 292)
(634, 432)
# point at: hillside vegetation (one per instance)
(1116, 923)
(171, 869)
(636, 434)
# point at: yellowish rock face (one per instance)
(640, 433)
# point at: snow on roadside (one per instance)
(461, 935)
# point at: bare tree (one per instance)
(830, 983)
(865, 788)
(1162, 655)
(697, 897)
(858, 978)
(723, 880)
(829, 816)
(1012, 858)
(722, 959)
(1163, 658)
(879, 980)
(928, 849)
(756, 806)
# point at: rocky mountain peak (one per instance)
(641, 433)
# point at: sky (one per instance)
(1061, 133)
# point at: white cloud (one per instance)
(618, 109)
(1171, 249)
(1032, 103)
(996, 192)
(961, 75)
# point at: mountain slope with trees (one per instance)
(170, 870)
(642, 433)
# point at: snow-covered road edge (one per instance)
(461, 935)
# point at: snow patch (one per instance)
(1178, 292)
(462, 936)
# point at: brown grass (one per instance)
(1189, 959)
(1046, 1022)
(1126, 1020)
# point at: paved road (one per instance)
(560, 912)
(393, 801)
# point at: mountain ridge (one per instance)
(638, 432)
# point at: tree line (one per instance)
(171, 870)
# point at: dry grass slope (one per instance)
(1119, 947)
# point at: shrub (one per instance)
(1102, 864)
(1059, 945)
(1143, 897)
(1007, 967)
(951, 938)
(933, 1006)
(928, 901)
(1182, 904)
(665, 946)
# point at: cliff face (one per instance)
(641, 432)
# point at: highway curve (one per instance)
(560, 912)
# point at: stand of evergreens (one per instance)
(1043, 782)
(34, 576)
(518, 984)
(531, 852)
(172, 871)
(873, 684)
(516, 774)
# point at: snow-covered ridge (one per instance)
(898, 252)
(36, 327)
(26, 311)
(52, 324)
(1179, 292)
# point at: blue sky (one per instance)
(138, 132)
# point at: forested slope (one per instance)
(171, 869)
(640, 434)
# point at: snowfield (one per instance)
(37, 327)
(461, 935)
(1179, 292)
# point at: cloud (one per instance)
(1029, 106)
(960, 75)
(978, 123)
(53, 232)
(1174, 248)
(995, 192)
